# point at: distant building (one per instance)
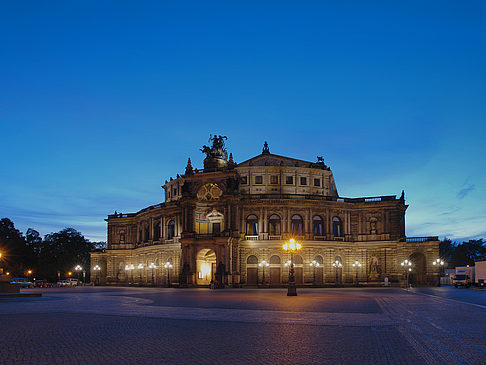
(221, 222)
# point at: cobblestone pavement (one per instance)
(100, 325)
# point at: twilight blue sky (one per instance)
(100, 102)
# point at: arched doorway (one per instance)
(417, 276)
(206, 266)
(338, 268)
(299, 269)
(252, 270)
(275, 270)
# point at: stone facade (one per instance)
(227, 223)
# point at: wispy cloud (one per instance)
(465, 191)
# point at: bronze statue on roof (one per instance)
(217, 149)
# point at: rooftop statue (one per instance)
(217, 149)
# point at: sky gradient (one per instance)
(101, 102)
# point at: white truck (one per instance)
(464, 276)
(480, 273)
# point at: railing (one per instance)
(422, 239)
(251, 238)
(320, 238)
(321, 197)
(274, 237)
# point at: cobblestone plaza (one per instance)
(110, 325)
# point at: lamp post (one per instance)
(152, 266)
(97, 269)
(29, 272)
(407, 265)
(78, 268)
(291, 246)
(263, 264)
(337, 265)
(314, 264)
(357, 265)
(140, 267)
(129, 268)
(440, 264)
(168, 266)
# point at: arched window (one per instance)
(337, 227)
(157, 231)
(275, 260)
(319, 259)
(252, 260)
(317, 225)
(298, 260)
(170, 230)
(274, 225)
(297, 225)
(252, 225)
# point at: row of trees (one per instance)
(462, 254)
(60, 251)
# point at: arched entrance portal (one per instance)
(417, 276)
(206, 266)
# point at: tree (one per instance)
(62, 251)
(15, 255)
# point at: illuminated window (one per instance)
(317, 225)
(170, 230)
(337, 227)
(252, 225)
(289, 180)
(274, 179)
(274, 225)
(297, 225)
(259, 179)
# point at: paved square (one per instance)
(200, 326)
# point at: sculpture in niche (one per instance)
(373, 226)
(375, 267)
(217, 149)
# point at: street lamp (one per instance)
(78, 268)
(140, 267)
(407, 265)
(291, 246)
(357, 265)
(440, 264)
(337, 265)
(97, 269)
(314, 264)
(168, 266)
(263, 264)
(30, 273)
(152, 266)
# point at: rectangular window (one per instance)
(274, 179)
(258, 179)
(303, 180)
(216, 227)
(175, 192)
(289, 180)
(244, 180)
(317, 182)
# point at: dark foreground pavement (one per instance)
(200, 326)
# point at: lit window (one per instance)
(252, 225)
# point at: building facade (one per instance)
(227, 223)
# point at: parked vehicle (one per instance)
(480, 273)
(23, 282)
(42, 284)
(464, 276)
(61, 283)
(72, 282)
